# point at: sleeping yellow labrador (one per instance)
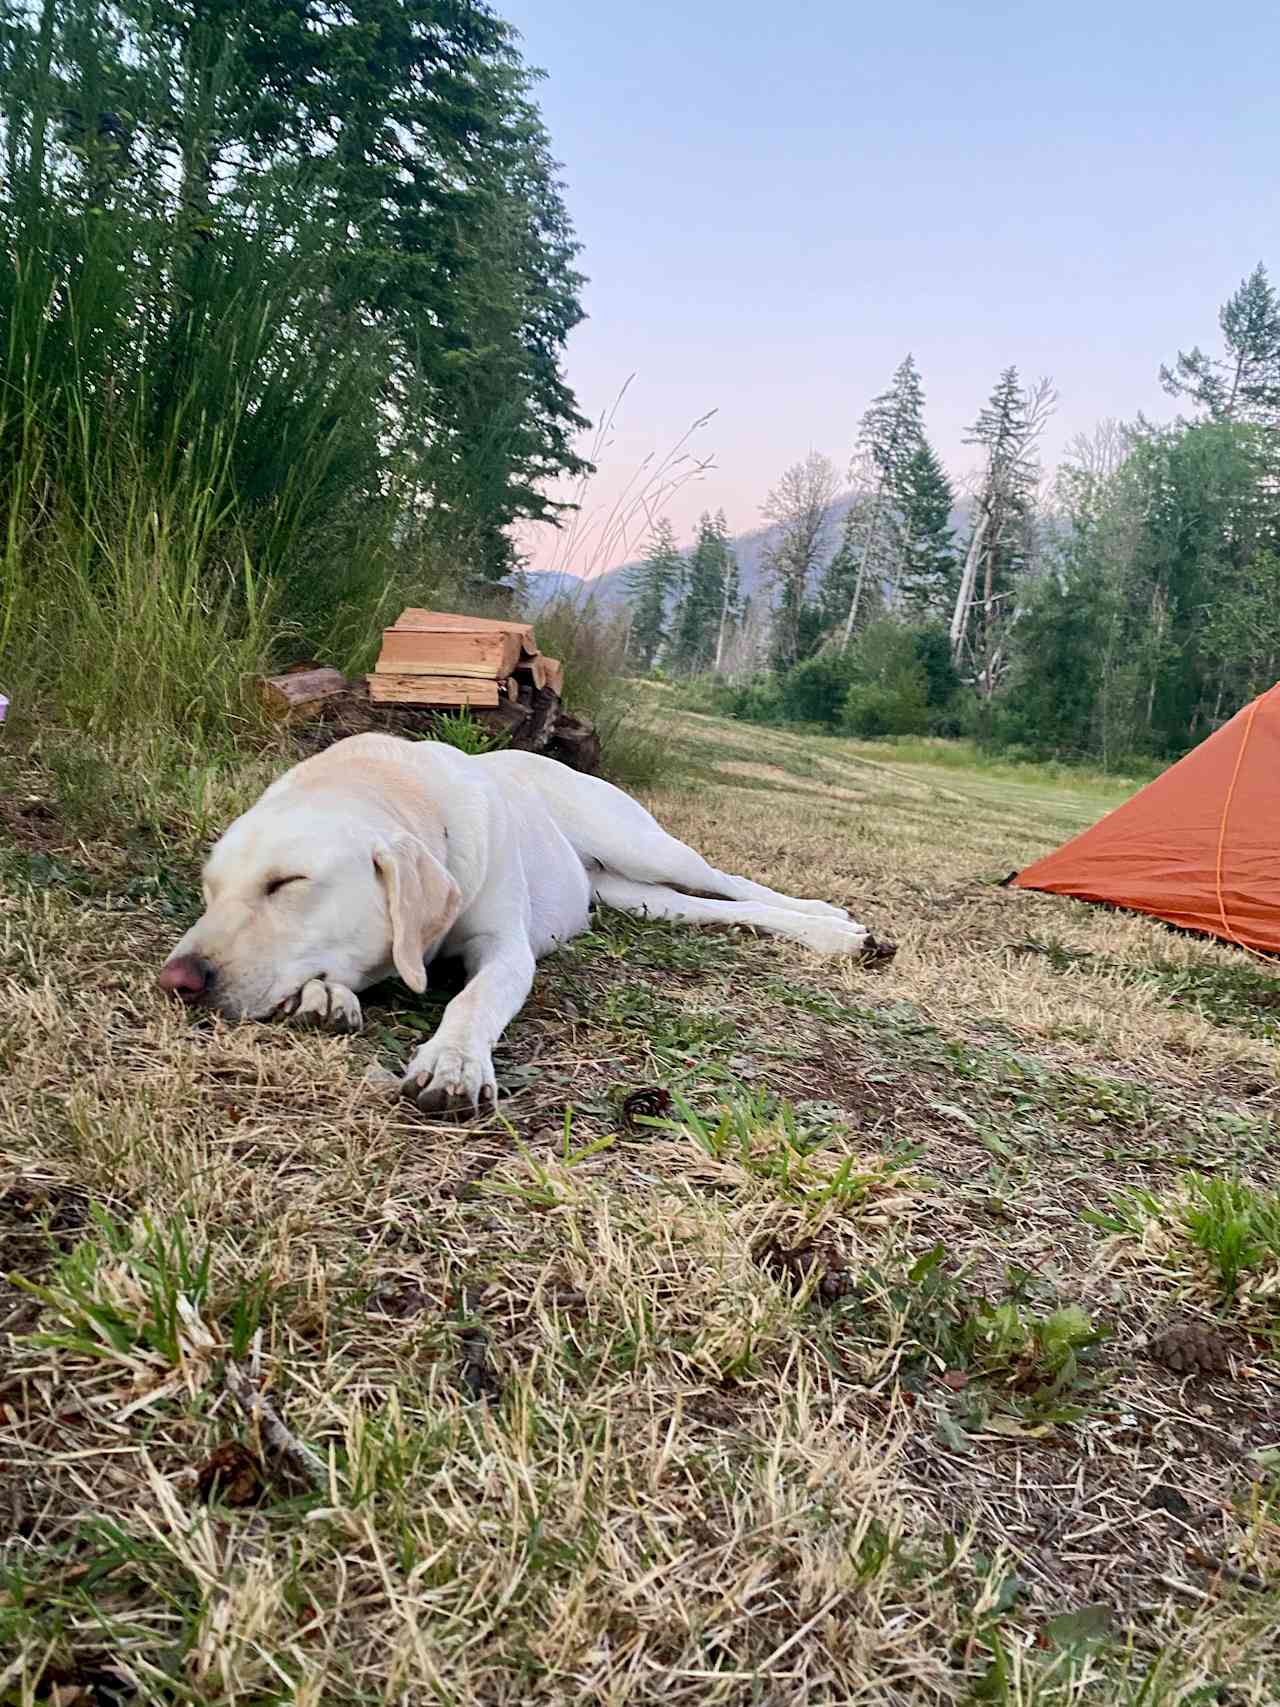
(379, 854)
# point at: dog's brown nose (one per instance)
(186, 976)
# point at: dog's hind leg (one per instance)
(609, 829)
(646, 853)
(824, 934)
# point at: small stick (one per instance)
(272, 1430)
(1220, 1567)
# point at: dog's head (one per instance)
(294, 892)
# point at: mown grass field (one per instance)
(840, 1384)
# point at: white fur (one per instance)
(402, 850)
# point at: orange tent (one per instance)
(1199, 846)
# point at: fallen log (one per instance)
(299, 691)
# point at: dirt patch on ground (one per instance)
(32, 824)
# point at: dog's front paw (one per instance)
(324, 1006)
(444, 1079)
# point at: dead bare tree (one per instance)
(1000, 543)
(799, 506)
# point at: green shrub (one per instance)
(756, 700)
(815, 690)
(889, 694)
(873, 709)
(949, 705)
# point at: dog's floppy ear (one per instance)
(422, 899)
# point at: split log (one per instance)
(543, 672)
(443, 622)
(449, 691)
(298, 691)
(534, 671)
(506, 718)
(492, 653)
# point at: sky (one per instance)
(777, 202)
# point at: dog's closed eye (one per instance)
(280, 882)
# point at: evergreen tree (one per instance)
(1052, 699)
(1162, 613)
(265, 229)
(929, 573)
(1001, 538)
(890, 433)
(733, 607)
(1243, 384)
(697, 626)
(840, 578)
(650, 586)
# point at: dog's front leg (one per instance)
(454, 1070)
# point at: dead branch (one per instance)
(273, 1433)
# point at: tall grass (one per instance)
(170, 461)
(211, 446)
(578, 626)
(219, 391)
(591, 644)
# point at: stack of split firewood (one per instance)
(434, 662)
(433, 658)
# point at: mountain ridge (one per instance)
(750, 548)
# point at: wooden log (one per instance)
(442, 622)
(448, 652)
(534, 671)
(576, 744)
(542, 722)
(432, 690)
(299, 691)
(554, 675)
(505, 719)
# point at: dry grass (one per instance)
(833, 1388)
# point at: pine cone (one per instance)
(650, 1102)
(230, 1474)
(1190, 1349)
(793, 1266)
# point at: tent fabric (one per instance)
(1199, 846)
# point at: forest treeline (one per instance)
(1124, 605)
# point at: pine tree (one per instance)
(929, 569)
(650, 586)
(295, 234)
(1243, 384)
(695, 639)
(1002, 533)
(840, 577)
(890, 433)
